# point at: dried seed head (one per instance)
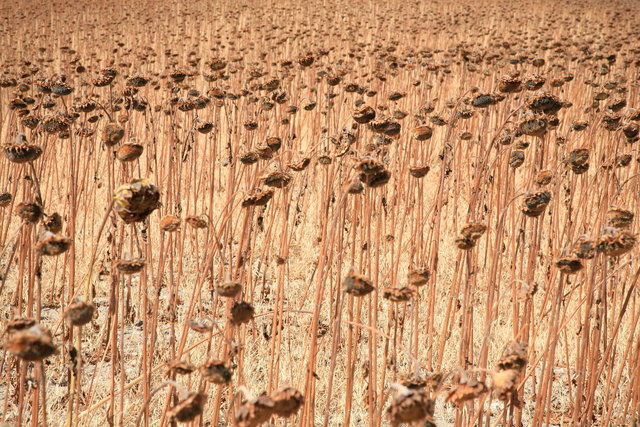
(364, 114)
(386, 127)
(79, 312)
(369, 166)
(5, 199)
(130, 266)
(201, 326)
(137, 81)
(52, 244)
(112, 134)
(419, 171)
(504, 383)
(189, 408)
(533, 126)
(585, 247)
(429, 382)
(180, 367)
(466, 389)
(274, 143)
(228, 289)
(258, 197)
(398, 294)
(300, 165)
(374, 180)
(484, 100)
(616, 242)
(129, 152)
(241, 312)
(52, 223)
(61, 89)
(249, 158)
(505, 137)
(510, 84)
(422, 132)
(579, 160)
(535, 204)
(357, 285)
(277, 179)
(32, 343)
(419, 276)
(631, 131)
(569, 265)
(170, 223)
(534, 82)
(469, 235)
(516, 159)
(204, 127)
(545, 103)
(324, 160)
(355, 187)
(287, 401)
(29, 212)
(134, 202)
(306, 61)
(514, 356)
(21, 152)
(216, 371)
(619, 218)
(409, 406)
(543, 177)
(254, 412)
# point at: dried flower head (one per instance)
(619, 218)
(419, 171)
(287, 401)
(180, 367)
(228, 289)
(129, 152)
(216, 371)
(419, 276)
(469, 235)
(410, 405)
(52, 223)
(134, 202)
(188, 408)
(465, 389)
(29, 212)
(79, 312)
(585, 247)
(398, 294)
(258, 197)
(364, 114)
(21, 152)
(535, 204)
(616, 242)
(32, 343)
(112, 134)
(357, 285)
(579, 160)
(277, 179)
(170, 224)
(543, 178)
(241, 312)
(514, 356)
(52, 244)
(130, 266)
(5, 199)
(255, 411)
(300, 165)
(569, 265)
